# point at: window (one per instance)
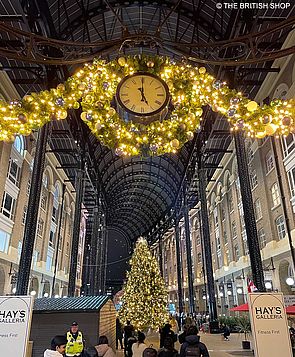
(245, 243)
(40, 227)
(280, 223)
(13, 172)
(257, 209)
(49, 259)
(51, 238)
(197, 224)
(234, 230)
(261, 238)
(269, 164)
(250, 155)
(19, 249)
(24, 214)
(275, 193)
(222, 213)
(236, 252)
(8, 205)
(288, 144)
(35, 258)
(55, 204)
(45, 181)
(253, 179)
(215, 213)
(230, 203)
(198, 239)
(28, 187)
(225, 240)
(43, 199)
(291, 177)
(54, 214)
(4, 241)
(19, 144)
(199, 258)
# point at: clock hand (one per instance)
(143, 98)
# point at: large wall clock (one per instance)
(142, 98)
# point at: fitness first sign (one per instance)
(15, 324)
(269, 325)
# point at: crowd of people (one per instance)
(185, 331)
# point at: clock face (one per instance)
(143, 94)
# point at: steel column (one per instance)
(58, 237)
(207, 245)
(179, 267)
(161, 254)
(76, 229)
(32, 212)
(93, 269)
(249, 215)
(189, 256)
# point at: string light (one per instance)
(93, 89)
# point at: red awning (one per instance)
(290, 310)
(243, 307)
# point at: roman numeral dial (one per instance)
(142, 94)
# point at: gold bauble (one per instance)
(260, 134)
(61, 87)
(28, 98)
(150, 64)
(63, 114)
(174, 143)
(76, 105)
(199, 112)
(112, 112)
(81, 86)
(190, 135)
(122, 61)
(252, 106)
(98, 126)
(83, 115)
(202, 70)
(270, 129)
(182, 126)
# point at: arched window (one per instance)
(275, 194)
(45, 180)
(55, 204)
(19, 144)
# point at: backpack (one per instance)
(193, 351)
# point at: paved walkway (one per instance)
(216, 345)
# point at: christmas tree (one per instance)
(144, 301)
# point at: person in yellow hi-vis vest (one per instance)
(75, 344)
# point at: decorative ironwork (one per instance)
(251, 48)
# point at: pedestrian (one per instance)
(150, 352)
(128, 332)
(226, 333)
(192, 347)
(139, 346)
(75, 344)
(90, 352)
(182, 336)
(103, 349)
(168, 349)
(57, 348)
(119, 334)
(167, 332)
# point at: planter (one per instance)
(246, 345)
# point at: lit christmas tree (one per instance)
(144, 301)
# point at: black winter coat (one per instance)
(194, 341)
